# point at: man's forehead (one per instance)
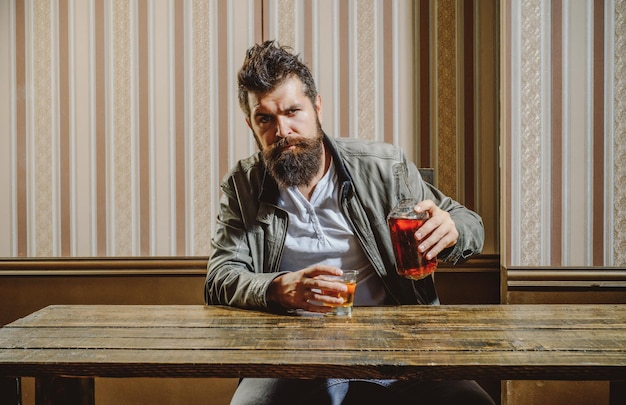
(286, 93)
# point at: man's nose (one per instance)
(282, 127)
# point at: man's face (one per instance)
(287, 128)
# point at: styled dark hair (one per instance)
(266, 66)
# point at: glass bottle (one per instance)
(403, 222)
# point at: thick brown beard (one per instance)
(294, 167)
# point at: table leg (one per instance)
(10, 390)
(63, 390)
(617, 394)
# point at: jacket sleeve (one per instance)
(233, 278)
(468, 223)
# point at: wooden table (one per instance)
(503, 342)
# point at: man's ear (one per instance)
(248, 122)
(318, 106)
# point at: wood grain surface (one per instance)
(546, 342)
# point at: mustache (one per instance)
(288, 141)
(275, 150)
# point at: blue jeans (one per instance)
(266, 391)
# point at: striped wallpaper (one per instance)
(113, 125)
(118, 118)
(457, 103)
(564, 132)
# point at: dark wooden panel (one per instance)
(10, 390)
(60, 390)
(591, 285)
(618, 392)
(27, 285)
(20, 296)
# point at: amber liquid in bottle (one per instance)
(403, 222)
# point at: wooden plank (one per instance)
(329, 364)
(590, 316)
(63, 357)
(401, 340)
(360, 319)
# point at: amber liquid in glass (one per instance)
(410, 262)
(348, 297)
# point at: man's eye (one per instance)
(264, 119)
(293, 111)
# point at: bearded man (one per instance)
(307, 206)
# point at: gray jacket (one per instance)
(248, 243)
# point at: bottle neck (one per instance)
(401, 184)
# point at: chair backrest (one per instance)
(428, 174)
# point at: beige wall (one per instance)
(119, 117)
(563, 133)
